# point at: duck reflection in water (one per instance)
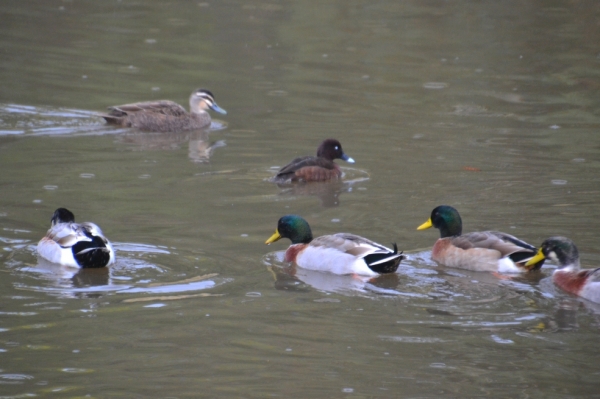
(200, 148)
(73, 282)
(294, 278)
(328, 193)
(566, 310)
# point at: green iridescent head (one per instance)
(446, 219)
(561, 251)
(293, 227)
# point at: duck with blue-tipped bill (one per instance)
(73, 244)
(311, 168)
(340, 253)
(165, 115)
(490, 251)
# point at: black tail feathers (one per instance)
(385, 263)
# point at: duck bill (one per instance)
(273, 238)
(347, 158)
(218, 109)
(425, 225)
(538, 257)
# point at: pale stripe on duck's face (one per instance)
(202, 100)
(552, 256)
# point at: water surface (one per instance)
(489, 107)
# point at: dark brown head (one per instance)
(332, 149)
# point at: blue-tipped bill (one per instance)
(216, 108)
(347, 158)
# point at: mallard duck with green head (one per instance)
(490, 251)
(165, 115)
(569, 276)
(340, 253)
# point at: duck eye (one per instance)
(337, 148)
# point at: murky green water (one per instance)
(491, 107)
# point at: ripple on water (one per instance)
(296, 278)
(412, 340)
(137, 271)
(7, 379)
(76, 370)
(18, 119)
(156, 305)
(167, 288)
(328, 193)
(435, 85)
(503, 341)
(454, 299)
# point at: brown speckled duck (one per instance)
(165, 115)
(319, 168)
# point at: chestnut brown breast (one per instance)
(308, 169)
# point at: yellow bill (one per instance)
(273, 238)
(538, 257)
(425, 225)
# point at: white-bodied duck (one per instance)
(340, 253)
(73, 244)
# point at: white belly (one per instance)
(332, 261)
